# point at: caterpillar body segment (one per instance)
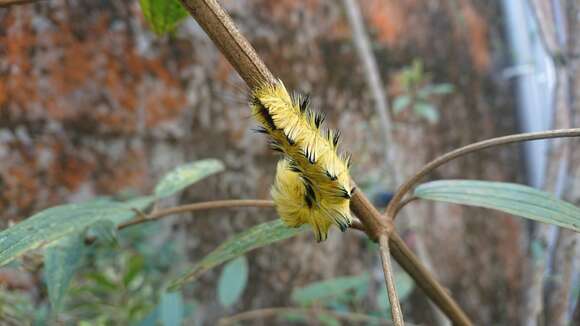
(312, 181)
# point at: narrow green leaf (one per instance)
(401, 103)
(427, 111)
(441, 89)
(232, 281)
(151, 319)
(186, 175)
(328, 320)
(162, 15)
(171, 309)
(60, 264)
(135, 266)
(511, 198)
(327, 289)
(253, 238)
(103, 281)
(52, 224)
(104, 231)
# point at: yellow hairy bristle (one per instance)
(312, 181)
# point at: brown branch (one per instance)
(404, 203)
(219, 27)
(226, 36)
(475, 147)
(439, 295)
(157, 215)
(8, 3)
(197, 207)
(311, 312)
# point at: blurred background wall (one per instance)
(93, 103)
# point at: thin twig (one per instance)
(350, 317)
(424, 280)
(197, 207)
(156, 215)
(226, 203)
(376, 86)
(226, 36)
(404, 203)
(412, 182)
(396, 311)
(8, 3)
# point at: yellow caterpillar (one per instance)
(312, 183)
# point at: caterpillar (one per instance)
(312, 183)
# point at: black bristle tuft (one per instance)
(336, 138)
(310, 191)
(310, 156)
(304, 103)
(341, 220)
(348, 159)
(265, 114)
(275, 146)
(308, 201)
(319, 118)
(319, 236)
(294, 167)
(290, 140)
(309, 195)
(261, 130)
(344, 193)
(330, 176)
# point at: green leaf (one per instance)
(253, 238)
(427, 111)
(232, 281)
(104, 231)
(103, 281)
(511, 198)
(60, 263)
(327, 289)
(55, 223)
(135, 266)
(163, 15)
(171, 309)
(151, 319)
(295, 317)
(401, 103)
(186, 175)
(328, 320)
(441, 89)
(404, 285)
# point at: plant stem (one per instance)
(157, 215)
(197, 207)
(430, 286)
(226, 36)
(8, 3)
(225, 203)
(391, 210)
(396, 311)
